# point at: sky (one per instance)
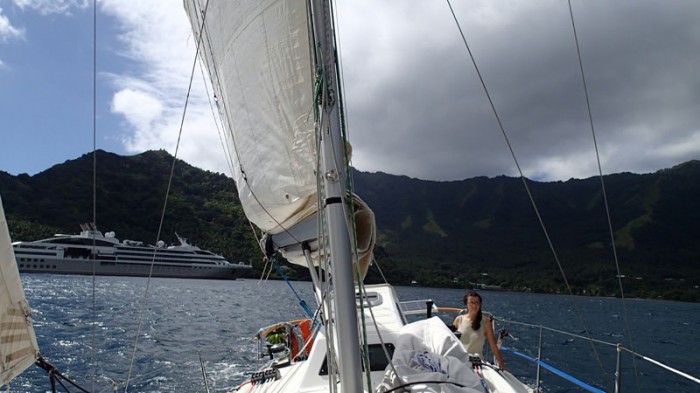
(414, 102)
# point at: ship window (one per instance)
(377, 359)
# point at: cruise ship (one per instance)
(74, 254)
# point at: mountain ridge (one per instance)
(480, 231)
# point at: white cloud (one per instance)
(577, 165)
(7, 31)
(156, 37)
(48, 7)
(415, 106)
(141, 110)
(688, 146)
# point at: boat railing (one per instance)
(427, 308)
(619, 348)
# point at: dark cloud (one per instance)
(417, 108)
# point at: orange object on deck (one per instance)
(305, 342)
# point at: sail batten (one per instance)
(18, 346)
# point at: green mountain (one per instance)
(475, 232)
(130, 193)
(486, 231)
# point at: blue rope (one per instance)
(302, 302)
(481, 379)
(555, 371)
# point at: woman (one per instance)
(475, 328)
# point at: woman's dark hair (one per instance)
(476, 323)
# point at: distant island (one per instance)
(480, 232)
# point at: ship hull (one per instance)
(91, 252)
(112, 268)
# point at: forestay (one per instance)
(18, 347)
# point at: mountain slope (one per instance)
(460, 233)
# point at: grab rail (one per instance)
(430, 306)
(554, 370)
(619, 347)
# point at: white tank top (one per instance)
(472, 340)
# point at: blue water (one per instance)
(184, 320)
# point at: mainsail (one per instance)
(18, 347)
(260, 57)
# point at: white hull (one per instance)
(75, 254)
(111, 268)
(387, 324)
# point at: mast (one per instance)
(333, 161)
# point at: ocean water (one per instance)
(187, 323)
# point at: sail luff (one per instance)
(18, 346)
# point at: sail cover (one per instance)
(18, 347)
(259, 60)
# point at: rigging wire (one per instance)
(56, 376)
(144, 302)
(227, 124)
(217, 120)
(345, 129)
(319, 118)
(321, 101)
(554, 370)
(630, 351)
(351, 214)
(527, 188)
(349, 207)
(605, 197)
(93, 328)
(324, 263)
(381, 273)
(302, 302)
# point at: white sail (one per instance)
(18, 347)
(263, 68)
(259, 60)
